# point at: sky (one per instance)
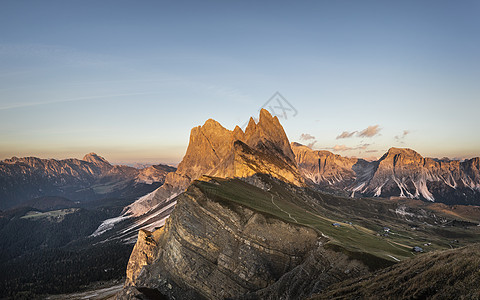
(129, 79)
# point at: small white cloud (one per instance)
(346, 134)
(341, 148)
(370, 131)
(400, 138)
(306, 137)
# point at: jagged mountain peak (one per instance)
(268, 135)
(401, 156)
(296, 144)
(212, 124)
(211, 143)
(401, 151)
(206, 147)
(238, 133)
(214, 150)
(95, 159)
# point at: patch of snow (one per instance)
(129, 212)
(145, 219)
(159, 223)
(108, 224)
(401, 210)
(359, 187)
(422, 188)
(406, 189)
(449, 180)
(141, 205)
(399, 186)
(378, 191)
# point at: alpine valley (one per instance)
(246, 215)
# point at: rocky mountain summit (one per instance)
(214, 150)
(23, 179)
(400, 172)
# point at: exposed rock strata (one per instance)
(216, 250)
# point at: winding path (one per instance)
(289, 215)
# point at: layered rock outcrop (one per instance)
(215, 249)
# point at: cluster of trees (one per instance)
(62, 270)
(20, 235)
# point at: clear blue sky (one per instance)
(129, 79)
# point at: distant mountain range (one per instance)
(23, 179)
(400, 172)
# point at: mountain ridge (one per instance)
(399, 172)
(23, 179)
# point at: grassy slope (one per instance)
(285, 204)
(450, 274)
(364, 239)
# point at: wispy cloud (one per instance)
(342, 148)
(346, 134)
(370, 131)
(306, 137)
(400, 138)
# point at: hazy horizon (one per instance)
(129, 80)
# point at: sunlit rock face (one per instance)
(143, 253)
(324, 167)
(400, 172)
(214, 150)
